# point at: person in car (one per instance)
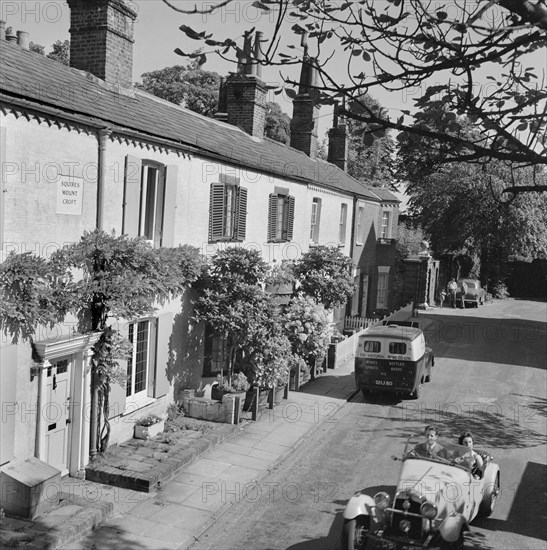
(473, 458)
(430, 448)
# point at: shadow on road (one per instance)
(493, 430)
(528, 514)
(472, 338)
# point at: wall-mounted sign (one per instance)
(70, 195)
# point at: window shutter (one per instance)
(8, 386)
(117, 396)
(170, 206)
(132, 195)
(241, 214)
(161, 384)
(216, 211)
(317, 222)
(272, 217)
(290, 217)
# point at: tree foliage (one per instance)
(457, 208)
(34, 292)
(101, 278)
(325, 274)
(60, 51)
(278, 123)
(231, 301)
(185, 85)
(370, 160)
(196, 89)
(308, 328)
(473, 57)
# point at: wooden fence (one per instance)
(358, 323)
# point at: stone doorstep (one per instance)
(72, 519)
(146, 479)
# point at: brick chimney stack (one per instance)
(245, 93)
(101, 39)
(306, 108)
(338, 140)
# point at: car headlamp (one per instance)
(428, 510)
(381, 500)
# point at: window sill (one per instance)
(133, 405)
(386, 240)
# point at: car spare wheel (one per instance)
(354, 533)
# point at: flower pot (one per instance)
(217, 394)
(147, 432)
(242, 398)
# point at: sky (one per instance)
(157, 35)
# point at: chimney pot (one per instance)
(23, 40)
(11, 38)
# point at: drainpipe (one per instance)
(103, 136)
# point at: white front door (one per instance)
(56, 414)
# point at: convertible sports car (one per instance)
(435, 500)
(475, 295)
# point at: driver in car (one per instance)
(430, 448)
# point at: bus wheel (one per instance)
(417, 392)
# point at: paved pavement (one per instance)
(185, 507)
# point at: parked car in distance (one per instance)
(475, 295)
(435, 500)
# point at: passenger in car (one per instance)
(472, 457)
(430, 448)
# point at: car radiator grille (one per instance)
(415, 522)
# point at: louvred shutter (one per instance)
(132, 195)
(290, 218)
(317, 222)
(216, 211)
(272, 217)
(241, 217)
(169, 206)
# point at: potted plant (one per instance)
(149, 426)
(238, 383)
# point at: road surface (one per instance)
(489, 377)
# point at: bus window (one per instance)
(397, 348)
(372, 347)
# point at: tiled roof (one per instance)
(385, 194)
(26, 75)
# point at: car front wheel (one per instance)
(456, 545)
(489, 498)
(354, 533)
